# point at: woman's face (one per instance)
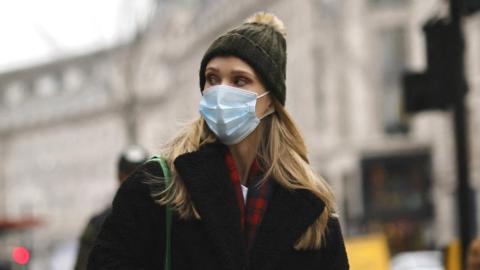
(232, 71)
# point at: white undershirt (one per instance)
(244, 191)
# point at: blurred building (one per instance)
(62, 124)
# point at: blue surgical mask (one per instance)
(230, 112)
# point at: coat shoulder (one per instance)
(140, 184)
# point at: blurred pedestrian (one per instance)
(473, 255)
(243, 193)
(128, 161)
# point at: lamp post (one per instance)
(465, 199)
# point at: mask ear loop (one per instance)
(267, 113)
(264, 94)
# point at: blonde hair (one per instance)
(283, 154)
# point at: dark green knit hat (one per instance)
(260, 42)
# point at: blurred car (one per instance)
(64, 255)
(417, 260)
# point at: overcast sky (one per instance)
(34, 31)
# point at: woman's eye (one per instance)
(212, 79)
(241, 81)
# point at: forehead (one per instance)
(229, 63)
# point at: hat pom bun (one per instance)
(268, 19)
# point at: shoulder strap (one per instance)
(168, 214)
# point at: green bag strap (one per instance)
(168, 214)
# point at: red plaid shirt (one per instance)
(251, 214)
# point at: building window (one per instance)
(46, 86)
(397, 199)
(14, 94)
(389, 60)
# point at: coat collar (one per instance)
(287, 216)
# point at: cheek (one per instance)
(206, 85)
(262, 105)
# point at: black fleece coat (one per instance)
(133, 235)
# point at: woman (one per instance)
(243, 193)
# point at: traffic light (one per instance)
(471, 6)
(418, 95)
(435, 88)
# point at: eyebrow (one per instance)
(211, 68)
(242, 72)
(235, 71)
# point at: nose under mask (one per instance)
(230, 112)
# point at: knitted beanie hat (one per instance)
(260, 42)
